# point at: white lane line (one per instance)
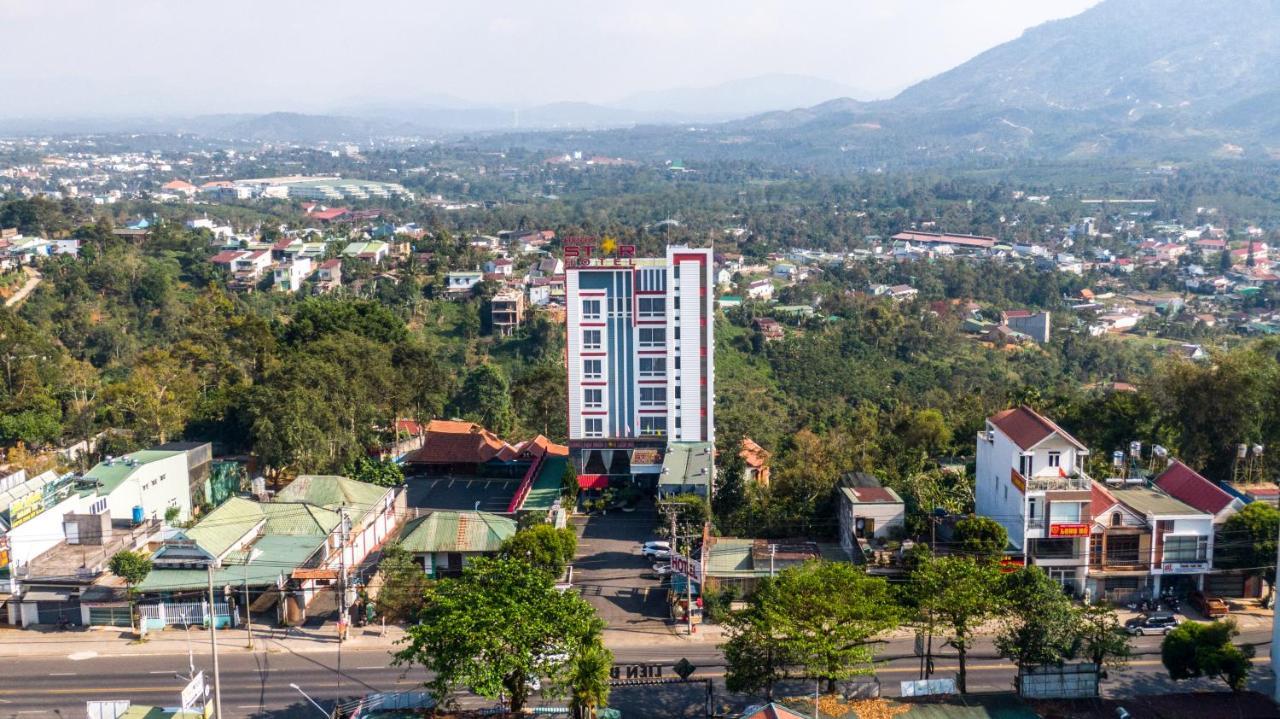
(163, 671)
(372, 667)
(247, 706)
(62, 674)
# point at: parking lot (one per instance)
(612, 574)
(487, 495)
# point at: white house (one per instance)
(500, 266)
(461, 282)
(150, 481)
(760, 290)
(1030, 479)
(32, 510)
(289, 276)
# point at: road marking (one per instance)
(62, 674)
(372, 667)
(163, 671)
(77, 656)
(247, 706)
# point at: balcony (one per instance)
(1079, 482)
(1119, 564)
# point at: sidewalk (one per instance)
(114, 641)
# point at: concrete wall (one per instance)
(154, 498)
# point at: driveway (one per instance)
(609, 569)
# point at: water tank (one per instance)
(138, 515)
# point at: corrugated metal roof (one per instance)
(331, 492)
(276, 555)
(110, 476)
(687, 463)
(457, 532)
(218, 530)
(1151, 501)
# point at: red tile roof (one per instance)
(226, 257)
(452, 442)
(1100, 500)
(1027, 428)
(330, 214)
(1016, 313)
(330, 264)
(753, 454)
(1189, 487)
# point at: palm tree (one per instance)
(589, 681)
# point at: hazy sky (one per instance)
(98, 57)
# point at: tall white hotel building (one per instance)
(640, 359)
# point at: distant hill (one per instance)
(739, 98)
(1161, 79)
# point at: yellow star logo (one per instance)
(608, 245)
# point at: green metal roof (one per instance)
(1152, 501)
(730, 556)
(274, 555)
(457, 532)
(298, 519)
(687, 463)
(547, 485)
(220, 529)
(110, 476)
(332, 492)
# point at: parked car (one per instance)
(656, 551)
(1209, 605)
(656, 546)
(662, 570)
(1154, 623)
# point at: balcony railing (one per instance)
(1075, 483)
(1119, 564)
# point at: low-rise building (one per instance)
(445, 542)
(328, 276)
(1032, 324)
(756, 463)
(760, 290)
(1030, 479)
(868, 510)
(506, 311)
(687, 468)
(462, 282)
(290, 275)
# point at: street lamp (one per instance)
(308, 698)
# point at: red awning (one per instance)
(593, 481)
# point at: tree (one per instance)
(383, 473)
(544, 546)
(589, 680)
(157, 398)
(754, 659)
(1039, 622)
(1252, 547)
(956, 594)
(981, 538)
(825, 614)
(1194, 650)
(133, 567)
(404, 584)
(1103, 640)
(486, 398)
(496, 627)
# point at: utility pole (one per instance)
(248, 618)
(773, 549)
(213, 640)
(342, 593)
(688, 580)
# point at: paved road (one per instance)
(257, 685)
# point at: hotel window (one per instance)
(653, 396)
(591, 309)
(593, 427)
(653, 426)
(592, 369)
(593, 398)
(653, 367)
(591, 339)
(652, 307)
(1055, 459)
(652, 336)
(1024, 465)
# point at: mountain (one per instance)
(1160, 79)
(739, 98)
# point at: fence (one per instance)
(1069, 681)
(387, 701)
(168, 614)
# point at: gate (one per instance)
(168, 614)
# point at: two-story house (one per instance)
(1031, 479)
(1145, 540)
